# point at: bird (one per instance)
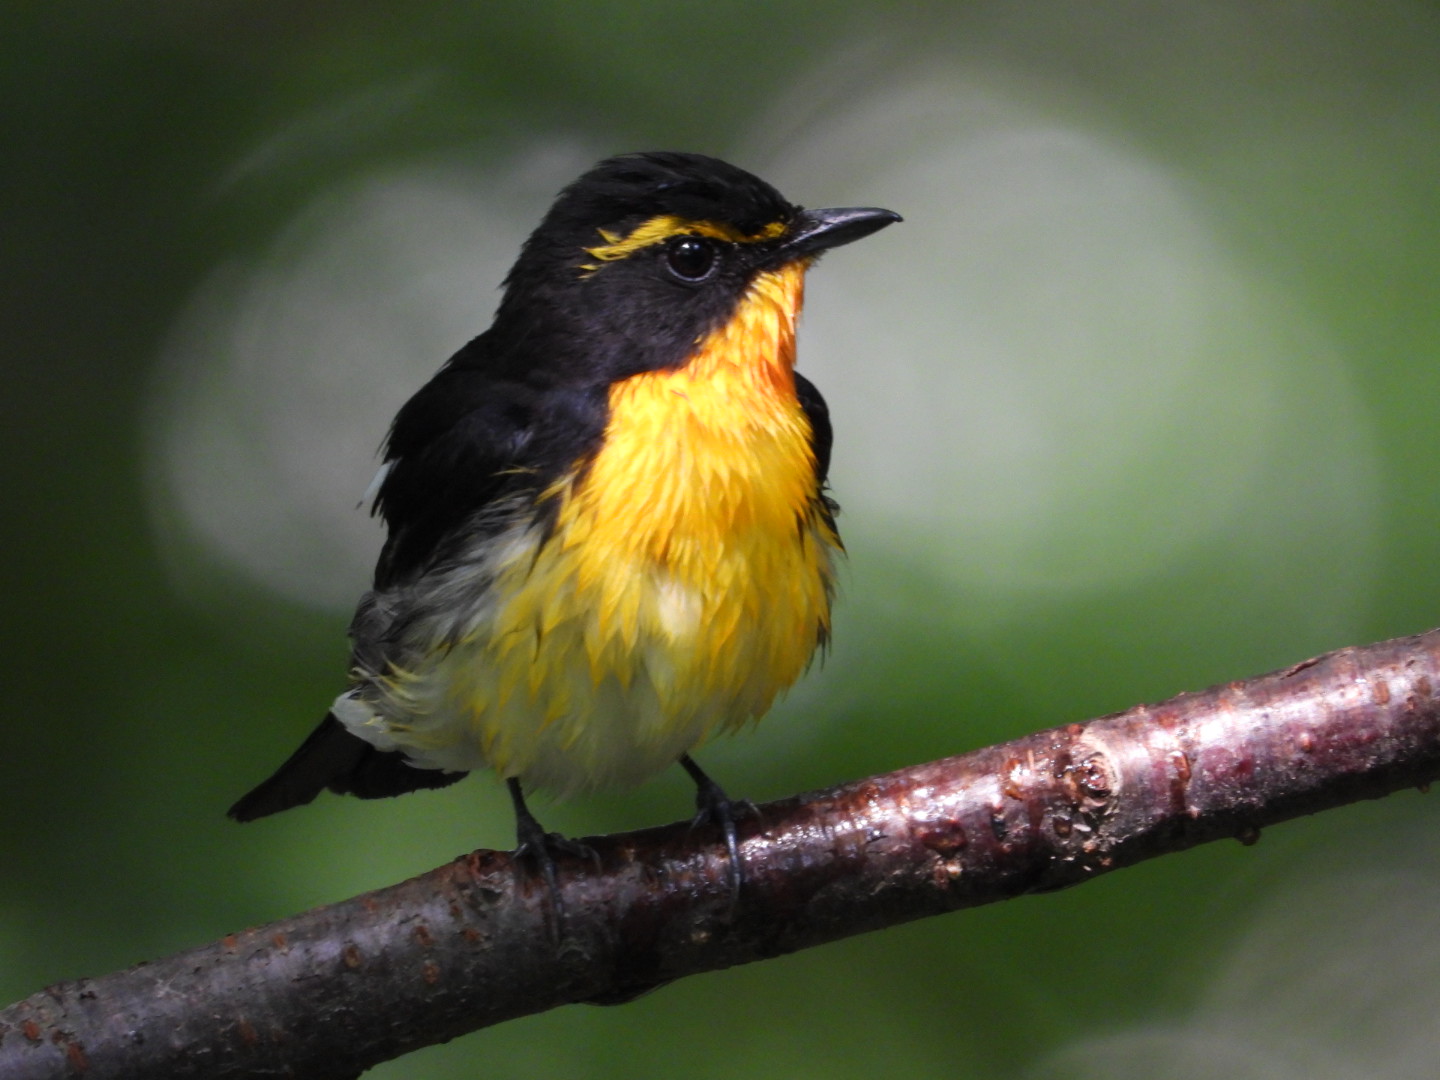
(609, 534)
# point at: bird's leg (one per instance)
(533, 842)
(716, 808)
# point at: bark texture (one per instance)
(333, 991)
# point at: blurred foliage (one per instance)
(146, 144)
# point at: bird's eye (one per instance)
(690, 258)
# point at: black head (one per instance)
(622, 192)
(643, 255)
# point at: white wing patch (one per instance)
(375, 484)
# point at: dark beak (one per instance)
(814, 231)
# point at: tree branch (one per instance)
(338, 989)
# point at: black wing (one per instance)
(466, 440)
(456, 447)
(821, 438)
(818, 413)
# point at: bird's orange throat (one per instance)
(696, 457)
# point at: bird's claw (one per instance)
(714, 807)
(533, 844)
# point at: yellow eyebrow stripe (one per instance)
(664, 226)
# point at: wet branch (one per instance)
(333, 991)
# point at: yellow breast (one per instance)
(697, 521)
(686, 581)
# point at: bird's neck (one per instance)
(753, 353)
(714, 451)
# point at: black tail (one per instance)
(334, 758)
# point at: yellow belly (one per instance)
(685, 583)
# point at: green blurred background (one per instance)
(1141, 397)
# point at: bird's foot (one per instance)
(533, 844)
(716, 808)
